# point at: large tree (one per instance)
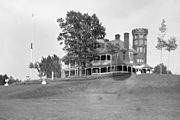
(79, 33)
(161, 41)
(171, 45)
(48, 65)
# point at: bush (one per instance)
(2, 79)
(164, 69)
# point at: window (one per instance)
(140, 60)
(145, 37)
(140, 49)
(97, 58)
(145, 42)
(136, 42)
(136, 36)
(144, 50)
(141, 36)
(103, 57)
(140, 42)
(108, 57)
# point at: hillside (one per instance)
(146, 83)
(125, 97)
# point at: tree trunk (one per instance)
(161, 61)
(168, 60)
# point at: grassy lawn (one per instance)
(144, 97)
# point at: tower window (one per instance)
(136, 42)
(140, 49)
(140, 42)
(141, 36)
(145, 42)
(136, 36)
(108, 57)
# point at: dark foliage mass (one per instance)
(164, 69)
(2, 79)
(47, 65)
(79, 33)
(10, 79)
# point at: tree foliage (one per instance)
(160, 39)
(2, 79)
(171, 44)
(161, 43)
(79, 33)
(164, 69)
(47, 65)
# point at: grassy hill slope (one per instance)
(129, 97)
(140, 84)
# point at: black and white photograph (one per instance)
(89, 60)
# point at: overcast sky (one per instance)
(118, 16)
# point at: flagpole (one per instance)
(31, 49)
(31, 57)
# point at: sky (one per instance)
(18, 28)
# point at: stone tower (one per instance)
(140, 44)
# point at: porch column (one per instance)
(69, 65)
(99, 70)
(75, 72)
(122, 68)
(106, 57)
(131, 69)
(69, 73)
(85, 72)
(100, 58)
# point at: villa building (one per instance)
(127, 59)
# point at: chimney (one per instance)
(126, 41)
(126, 46)
(117, 36)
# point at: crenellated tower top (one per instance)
(140, 31)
